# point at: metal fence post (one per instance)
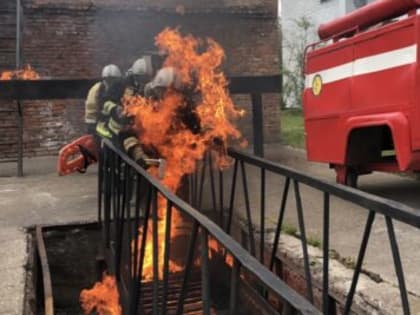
(258, 124)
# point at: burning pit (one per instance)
(191, 117)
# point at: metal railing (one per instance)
(374, 205)
(122, 218)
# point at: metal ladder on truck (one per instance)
(10, 56)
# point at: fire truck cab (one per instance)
(362, 91)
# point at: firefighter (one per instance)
(114, 124)
(96, 95)
(165, 78)
(168, 78)
(140, 71)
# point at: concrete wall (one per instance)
(74, 39)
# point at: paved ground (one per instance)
(347, 221)
(41, 197)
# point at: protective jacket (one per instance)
(92, 104)
(115, 125)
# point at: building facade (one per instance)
(296, 36)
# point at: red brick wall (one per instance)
(68, 38)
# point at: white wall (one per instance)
(317, 12)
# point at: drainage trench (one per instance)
(75, 262)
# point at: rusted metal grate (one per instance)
(193, 304)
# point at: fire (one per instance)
(162, 129)
(102, 298)
(214, 247)
(202, 91)
(27, 73)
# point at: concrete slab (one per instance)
(13, 255)
(40, 197)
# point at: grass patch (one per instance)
(314, 241)
(292, 230)
(289, 229)
(292, 129)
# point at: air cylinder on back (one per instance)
(366, 16)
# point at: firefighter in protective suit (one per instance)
(140, 71)
(83, 151)
(168, 78)
(114, 123)
(96, 95)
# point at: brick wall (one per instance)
(74, 39)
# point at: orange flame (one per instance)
(102, 298)
(161, 129)
(215, 248)
(27, 73)
(197, 64)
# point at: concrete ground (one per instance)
(42, 197)
(347, 221)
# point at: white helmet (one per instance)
(111, 71)
(142, 66)
(164, 78)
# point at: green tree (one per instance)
(294, 45)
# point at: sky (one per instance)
(279, 7)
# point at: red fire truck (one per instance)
(362, 91)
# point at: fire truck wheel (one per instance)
(351, 178)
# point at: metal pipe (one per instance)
(262, 216)
(166, 257)
(221, 198)
(258, 124)
(366, 16)
(248, 209)
(398, 265)
(155, 252)
(203, 176)
(205, 295)
(299, 209)
(19, 122)
(360, 258)
(18, 32)
(19, 107)
(325, 250)
(232, 198)
(187, 270)
(234, 287)
(280, 221)
(46, 276)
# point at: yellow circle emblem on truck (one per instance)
(317, 85)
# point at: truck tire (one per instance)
(346, 175)
(351, 178)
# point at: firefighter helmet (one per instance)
(141, 66)
(165, 78)
(111, 71)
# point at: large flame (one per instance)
(27, 73)
(102, 298)
(162, 129)
(197, 63)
